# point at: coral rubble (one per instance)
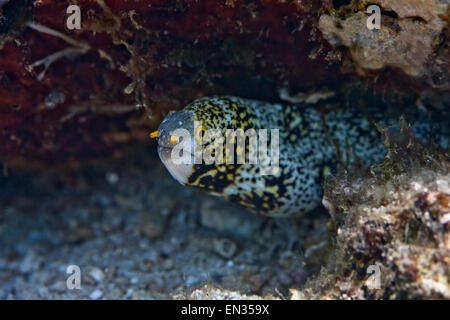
(394, 220)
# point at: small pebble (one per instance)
(167, 264)
(151, 225)
(220, 218)
(285, 279)
(97, 274)
(96, 294)
(225, 247)
(112, 177)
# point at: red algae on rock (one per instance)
(156, 54)
(412, 30)
(162, 54)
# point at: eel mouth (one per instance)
(167, 151)
(179, 171)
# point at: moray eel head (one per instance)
(191, 123)
(185, 132)
(203, 129)
(168, 142)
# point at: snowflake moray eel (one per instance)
(311, 145)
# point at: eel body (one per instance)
(310, 145)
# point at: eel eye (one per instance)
(174, 139)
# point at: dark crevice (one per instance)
(390, 13)
(417, 19)
(13, 15)
(340, 3)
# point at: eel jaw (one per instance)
(177, 120)
(179, 171)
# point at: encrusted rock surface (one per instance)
(394, 221)
(411, 31)
(75, 97)
(68, 95)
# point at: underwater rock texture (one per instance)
(83, 94)
(153, 55)
(136, 234)
(396, 219)
(411, 31)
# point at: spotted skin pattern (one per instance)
(311, 146)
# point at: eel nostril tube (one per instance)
(154, 134)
